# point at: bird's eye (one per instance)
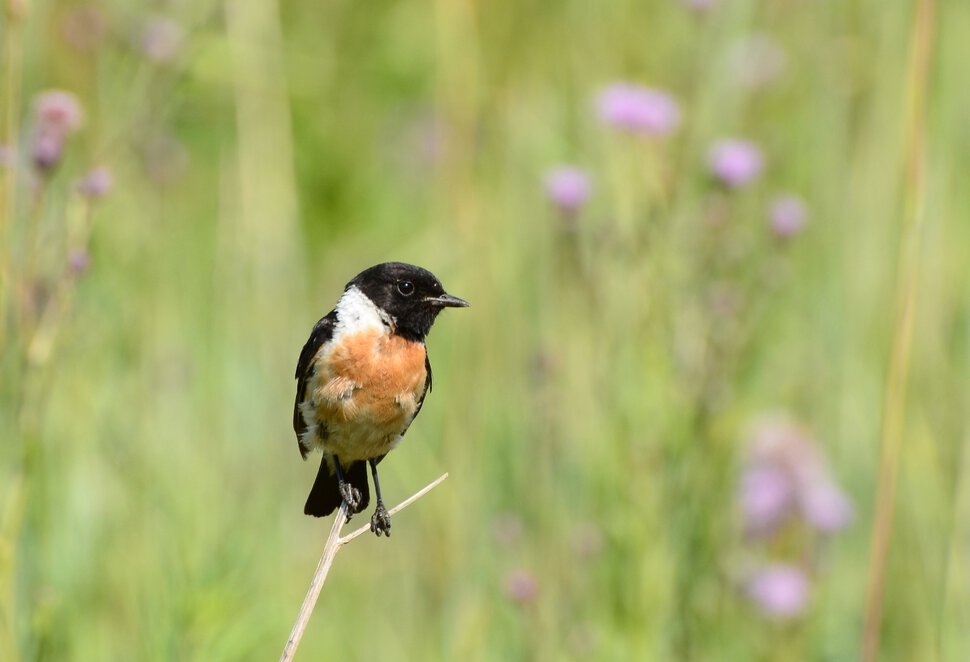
(406, 288)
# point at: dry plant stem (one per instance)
(319, 577)
(398, 508)
(906, 291)
(330, 549)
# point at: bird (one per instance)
(362, 378)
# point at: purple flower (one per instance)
(638, 109)
(787, 216)
(700, 5)
(826, 507)
(58, 111)
(47, 150)
(786, 475)
(78, 261)
(735, 162)
(568, 188)
(96, 184)
(767, 498)
(521, 586)
(780, 591)
(57, 115)
(161, 39)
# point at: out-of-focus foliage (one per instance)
(679, 226)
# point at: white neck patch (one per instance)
(356, 312)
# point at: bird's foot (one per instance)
(380, 521)
(351, 496)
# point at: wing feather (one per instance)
(424, 393)
(322, 332)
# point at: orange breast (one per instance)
(371, 375)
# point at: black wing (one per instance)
(322, 332)
(427, 388)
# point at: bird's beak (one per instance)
(447, 301)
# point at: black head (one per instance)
(410, 295)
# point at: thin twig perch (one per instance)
(330, 549)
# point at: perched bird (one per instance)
(361, 380)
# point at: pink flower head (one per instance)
(786, 475)
(521, 586)
(161, 39)
(787, 216)
(767, 498)
(96, 184)
(58, 111)
(47, 150)
(568, 188)
(638, 109)
(735, 162)
(57, 114)
(78, 261)
(826, 507)
(781, 591)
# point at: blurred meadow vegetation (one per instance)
(665, 413)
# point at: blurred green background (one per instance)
(595, 405)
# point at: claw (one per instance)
(380, 521)
(351, 495)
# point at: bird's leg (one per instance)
(380, 521)
(349, 493)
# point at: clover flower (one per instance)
(96, 184)
(735, 163)
(161, 39)
(568, 188)
(57, 114)
(785, 475)
(787, 216)
(521, 586)
(780, 591)
(637, 109)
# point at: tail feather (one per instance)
(325, 494)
